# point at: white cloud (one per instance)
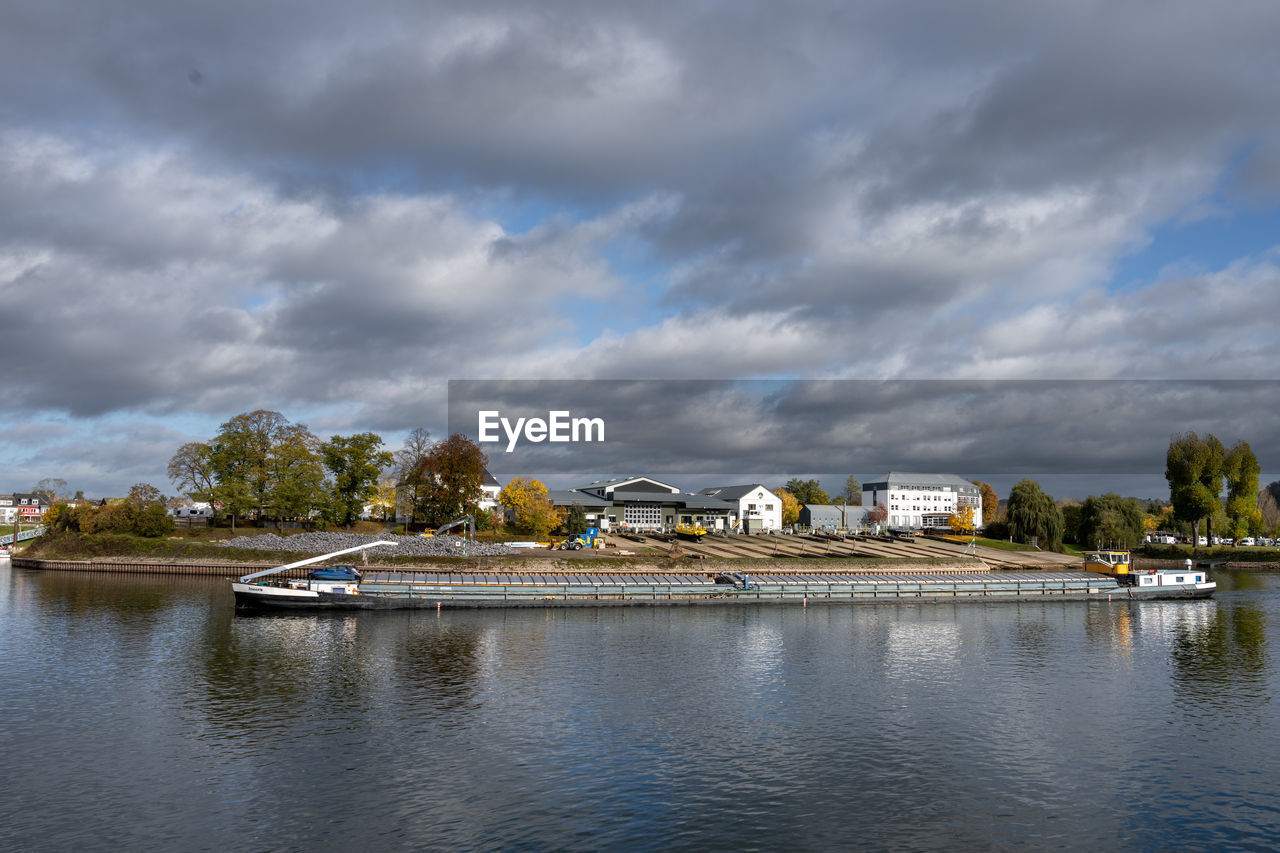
(265, 205)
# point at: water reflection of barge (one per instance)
(345, 588)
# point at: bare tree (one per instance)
(52, 489)
(411, 473)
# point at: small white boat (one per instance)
(328, 587)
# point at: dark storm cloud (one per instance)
(1102, 431)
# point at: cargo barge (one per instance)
(347, 588)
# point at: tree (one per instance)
(52, 489)
(146, 513)
(144, 493)
(575, 520)
(241, 461)
(961, 521)
(412, 477)
(153, 520)
(990, 502)
(1212, 480)
(191, 469)
(1269, 504)
(852, 491)
(807, 491)
(1193, 469)
(354, 462)
(258, 463)
(1110, 521)
(384, 501)
(1033, 514)
(297, 474)
(878, 514)
(118, 517)
(790, 507)
(63, 517)
(453, 474)
(531, 510)
(1241, 469)
(1071, 513)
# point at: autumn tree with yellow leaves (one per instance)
(530, 508)
(961, 521)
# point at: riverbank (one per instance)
(180, 555)
(551, 564)
(1141, 563)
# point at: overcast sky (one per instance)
(331, 209)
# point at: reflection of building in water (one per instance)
(1112, 626)
(1166, 620)
(761, 649)
(1154, 622)
(929, 649)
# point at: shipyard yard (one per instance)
(810, 547)
(634, 553)
(798, 547)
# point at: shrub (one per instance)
(153, 521)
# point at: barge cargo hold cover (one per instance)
(382, 590)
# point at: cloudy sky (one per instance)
(331, 209)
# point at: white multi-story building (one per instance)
(922, 501)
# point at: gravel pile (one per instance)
(415, 546)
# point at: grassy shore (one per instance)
(1006, 545)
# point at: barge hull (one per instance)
(395, 591)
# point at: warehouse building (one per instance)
(644, 503)
(834, 517)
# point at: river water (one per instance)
(145, 714)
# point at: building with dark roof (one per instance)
(758, 509)
(643, 503)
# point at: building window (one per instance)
(642, 515)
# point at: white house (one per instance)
(757, 508)
(491, 488)
(922, 501)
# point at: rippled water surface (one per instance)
(144, 713)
